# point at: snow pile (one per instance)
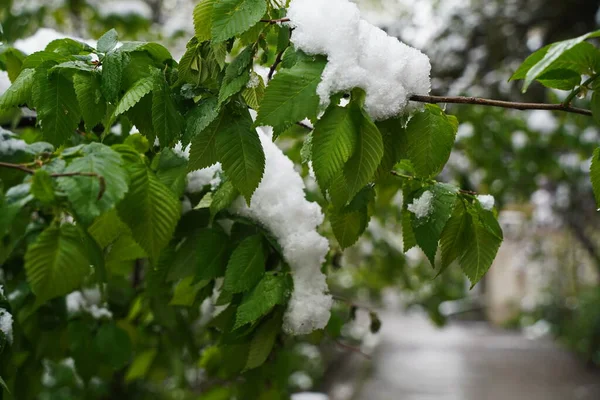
(42, 37)
(359, 55)
(6, 325)
(421, 207)
(125, 8)
(487, 201)
(280, 206)
(88, 301)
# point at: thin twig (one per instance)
(578, 89)
(351, 348)
(275, 64)
(275, 21)
(63, 175)
(499, 103)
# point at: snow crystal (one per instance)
(487, 201)
(6, 325)
(359, 55)
(542, 121)
(421, 207)
(125, 8)
(42, 37)
(87, 301)
(279, 204)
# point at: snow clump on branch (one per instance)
(421, 207)
(487, 201)
(359, 55)
(279, 205)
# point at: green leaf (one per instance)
(56, 263)
(549, 56)
(361, 167)
(171, 170)
(562, 79)
(90, 196)
(114, 345)
(212, 253)
(140, 89)
(392, 131)
(484, 236)
(348, 226)
(428, 140)
(166, 119)
(595, 106)
(150, 210)
(408, 235)
(233, 17)
(36, 59)
(42, 187)
(203, 152)
(222, 198)
(270, 291)
(56, 104)
(263, 341)
(89, 96)
(429, 229)
(19, 92)
(199, 118)
(333, 143)
(123, 251)
(237, 74)
(186, 292)
(108, 41)
(240, 151)
(157, 52)
(141, 365)
(254, 93)
(107, 228)
(292, 96)
(453, 239)
(113, 65)
(595, 175)
(246, 265)
(203, 15)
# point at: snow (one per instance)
(9, 145)
(42, 37)
(542, 121)
(309, 396)
(198, 180)
(4, 81)
(487, 201)
(6, 324)
(125, 8)
(254, 81)
(359, 55)
(421, 207)
(300, 380)
(519, 140)
(89, 301)
(279, 205)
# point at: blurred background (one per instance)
(531, 328)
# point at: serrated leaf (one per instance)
(36, 59)
(56, 105)
(107, 228)
(270, 291)
(595, 175)
(157, 52)
(56, 262)
(408, 235)
(333, 143)
(254, 93)
(108, 41)
(246, 265)
(89, 95)
(263, 341)
(360, 168)
(429, 229)
(186, 292)
(203, 15)
(166, 119)
(484, 243)
(199, 118)
(171, 170)
(428, 140)
(114, 345)
(203, 152)
(561, 78)
(90, 196)
(19, 92)
(453, 240)
(240, 152)
(233, 17)
(237, 74)
(391, 131)
(150, 210)
(113, 65)
(222, 198)
(140, 89)
(42, 187)
(291, 96)
(348, 226)
(123, 251)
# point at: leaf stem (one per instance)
(578, 89)
(499, 103)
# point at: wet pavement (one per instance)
(471, 361)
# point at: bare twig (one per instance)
(499, 103)
(275, 21)
(575, 92)
(275, 64)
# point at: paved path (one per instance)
(470, 361)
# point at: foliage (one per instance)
(112, 281)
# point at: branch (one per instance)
(30, 171)
(275, 21)
(275, 64)
(499, 103)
